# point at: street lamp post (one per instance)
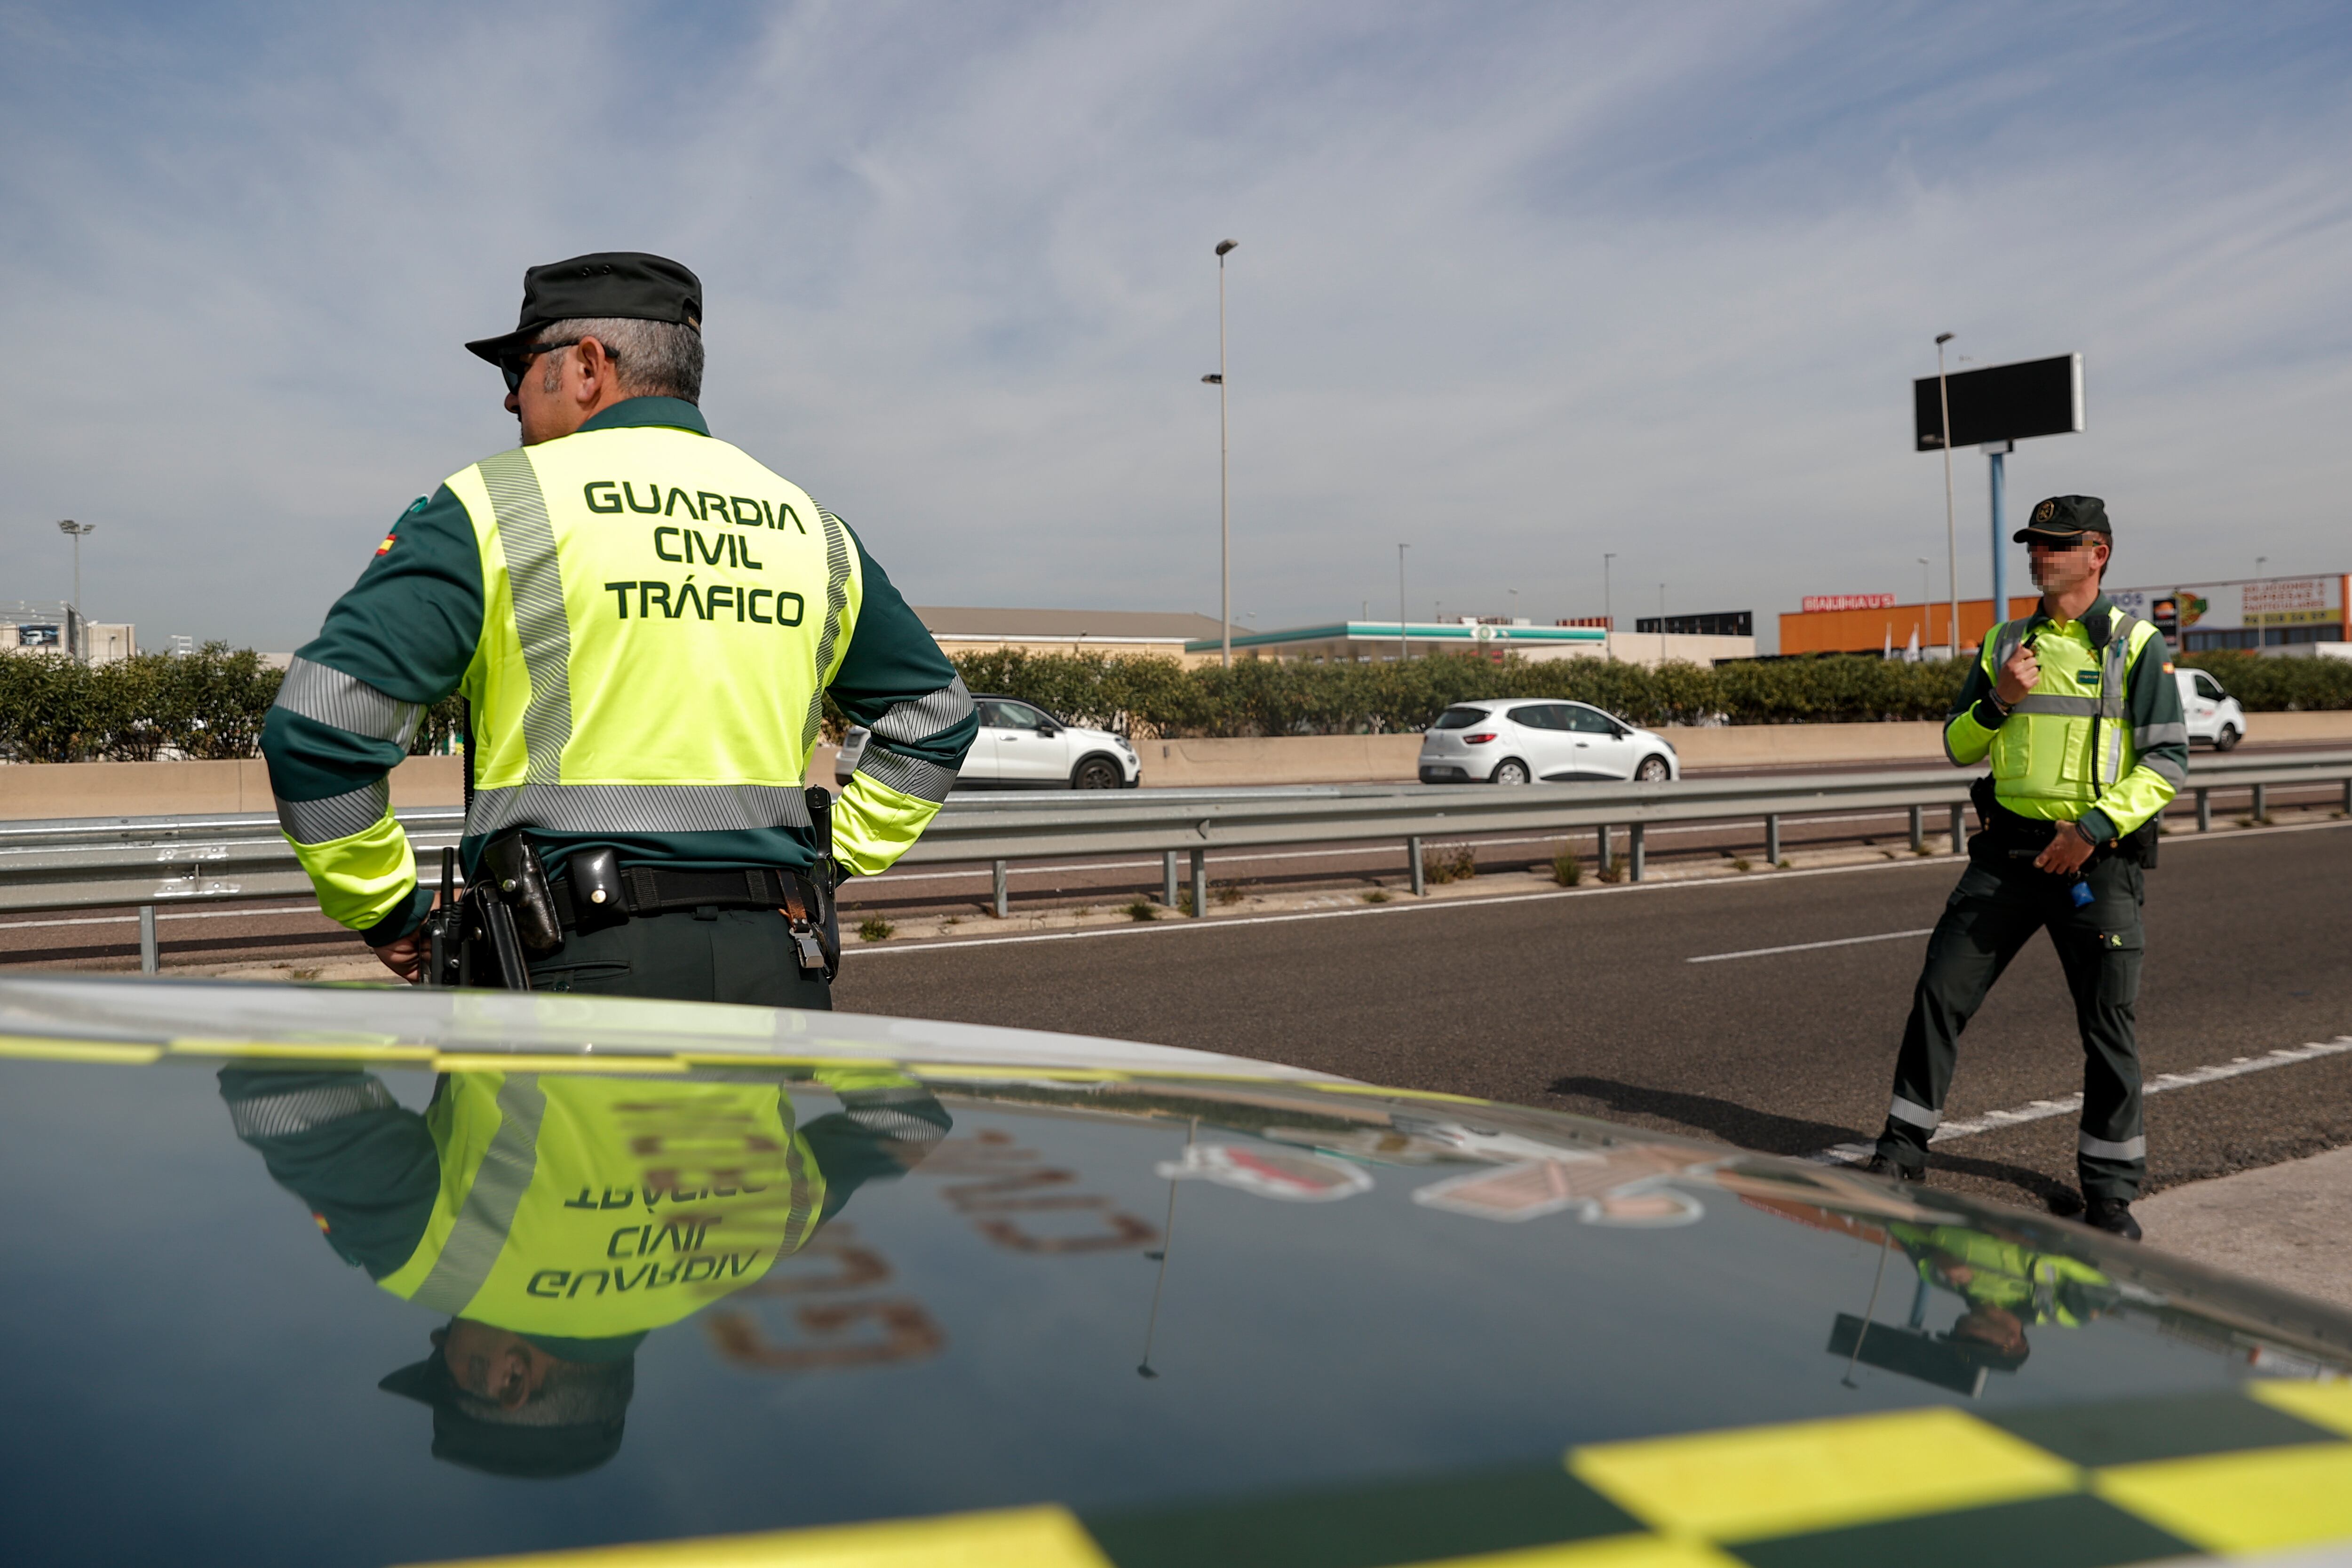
(1662, 626)
(74, 531)
(1951, 535)
(1402, 654)
(1927, 597)
(1608, 616)
(1224, 503)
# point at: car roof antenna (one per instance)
(1167, 1245)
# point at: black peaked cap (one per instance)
(627, 283)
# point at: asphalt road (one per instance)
(1588, 1001)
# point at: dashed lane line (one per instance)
(1808, 946)
(2042, 1110)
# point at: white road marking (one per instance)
(176, 915)
(2042, 1110)
(1808, 946)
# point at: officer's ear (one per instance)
(598, 368)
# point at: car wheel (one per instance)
(2226, 738)
(1096, 773)
(1654, 770)
(1510, 770)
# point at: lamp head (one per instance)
(1226, 245)
(1942, 338)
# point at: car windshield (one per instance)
(1460, 718)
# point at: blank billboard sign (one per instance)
(2003, 403)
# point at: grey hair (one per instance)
(655, 358)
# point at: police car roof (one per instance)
(1138, 1305)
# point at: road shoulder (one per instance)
(2285, 1224)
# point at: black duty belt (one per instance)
(652, 890)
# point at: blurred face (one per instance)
(2058, 569)
(492, 1364)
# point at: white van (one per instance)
(2214, 716)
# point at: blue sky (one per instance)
(1518, 285)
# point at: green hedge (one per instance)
(1270, 698)
(207, 705)
(2278, 685)
(211, 703)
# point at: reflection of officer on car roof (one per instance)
(2008, 1287)
(558, 1219)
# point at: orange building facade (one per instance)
(1892, 626)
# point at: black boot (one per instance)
(1880, 1165)
(2113, 1215)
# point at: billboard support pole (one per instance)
(1951, 537)
(1996, 474)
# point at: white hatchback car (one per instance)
(2214, 716)
(1022, 746)
(1508, 742)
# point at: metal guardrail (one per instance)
(157, 862)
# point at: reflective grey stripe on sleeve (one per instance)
(279, 1115)
(2063, 706)
(2148, 735)
(488, 1213)
(347, 702)
(2130, 1149)
(1902, 1109)
(638, 808)
(907, 775)
(914, 722)
(338, 816)
(2168, 770)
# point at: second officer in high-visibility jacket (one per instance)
(2078, 708)
(646, 621)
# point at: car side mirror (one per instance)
(1049, 728)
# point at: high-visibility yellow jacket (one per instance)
(572, 1207)
(646, 621)
(2100, 739)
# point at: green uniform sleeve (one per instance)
(2160, 744)
(399, 641)
(365, 1166)
(896, 682)
(1967, 733)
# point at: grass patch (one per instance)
(874, 928)
(1783, 864)
(1739, 863)
(1452, 865)
(1377, 896)
(1566, 869)
(1143, 909)
(1617, 871)
(1228, 893)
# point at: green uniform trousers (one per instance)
(724, 955)
(1999, 903)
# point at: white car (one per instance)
(2214, 716)
(1516, 741)
(1022, 746)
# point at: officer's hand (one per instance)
(405, 957)
(2018, 676)
(2067, 851)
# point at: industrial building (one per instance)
(2272, 614)
(1165, 634)
(59, 628)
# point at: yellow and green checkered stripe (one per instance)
(2263, 1469)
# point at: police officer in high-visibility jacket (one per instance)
(646, 621)
(2078, 709)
